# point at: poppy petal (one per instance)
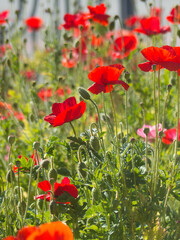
(65, 180)
(71, 189)
(96, 88)
(44, 185)
(53, 230)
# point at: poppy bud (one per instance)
(132, 140)
(154, 67)
(105, 117)
(116, 17)
(169, 87)
(94, 142)
(178, 33)
(11, 139)
(40, 204)
(25, 40)
(161, 133)
(10, 176)
(112, 26)
(77, 44)
(80, 27)
(21, 208)
(52, 174)
(53, 207)
(36, 145)
(81, 167)
(127, 74)
(95, 194)
(146, 131)
(18, 163)
(45, 164)
(84, 93)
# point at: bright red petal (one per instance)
(65, 180)
(25, 232)
(44, 185)
(97, 88)
(71, 189)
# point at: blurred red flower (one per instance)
(45, 94)
(151, 26)
(123, 45)
(132, 21)
(3, 49)
(59, 189)
(96, 41)
(152, 132)
(74, 21)
(3, 16)
(65, 112)
(174, 16)
(105, 77)
(34, 23)
(50, 231)
(156, 12)
(98, 14)
(29, 74)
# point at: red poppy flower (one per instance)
(45, 94)
(105, 77)
(74, 21)
(166, 56)
(65, 112)
(96, 41)
(29, 74)
(34, 23)
(132, 21)
(3, 16)
(124, 45)
(156, 12)
(59, 189)
(50, 231)
(151, 26)
(98, 14)
(174, 16)
(4, 48)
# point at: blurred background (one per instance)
(124, 8)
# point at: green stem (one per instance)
(116, 129)
(126, 112)
(156, 129)
(146, 160)
(99, 121)
(73, 128)
(29, 189)
(159, 88)
(177, 134)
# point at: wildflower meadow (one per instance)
(90, 123)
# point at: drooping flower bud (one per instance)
(84, 93)
(45, 163)
(11, 139)
(10, 176)
(36, 145)
(52, 174)
(22, 208)
(53, 207)
(81, 167)
(94, 142)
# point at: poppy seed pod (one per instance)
(84, 93)
(45, 164)
(22, 208)
(52, 174)
(169, 87)
(11, 139)
(94, 142)
(112, 26)
(10, 176)
(53, 207)
(18, 163)
(146, 131)
(40, 204)
(36, 145)
(95, 194)
(154, 67)
(81, 167)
